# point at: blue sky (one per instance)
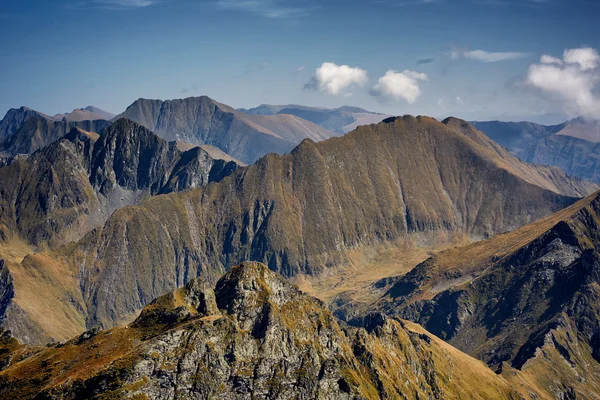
(469, 58)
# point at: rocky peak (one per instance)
(250, 288)
(130, 156)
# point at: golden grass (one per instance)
(47, 289)
(365, 266)
(15, 250)
(470, 378)
(55, 366)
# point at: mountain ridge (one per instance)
(526, 299)
(202, 120)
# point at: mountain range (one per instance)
(124, 254)
(62, 191)
(23, 131)
(369, 187)
(571, 146)
(527, 300)
(201, 120)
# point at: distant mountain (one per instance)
(253, 335)
(558, 145)
(529, 299)
(341, 120)
(303, 212)
(582, 128)
(103, 114)
(575, 156)
(14, 119)
(84, 114)
(201, 120)
(517, 137)
(23, 131)
(64, 190)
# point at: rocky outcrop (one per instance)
(201, 120)
(255, 336)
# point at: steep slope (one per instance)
(549, 177)
(529, 298)
(201, 120)
(341, 120)
(64, 190)
(406, 178)
(14, 119)
(253, 336)
(577, 157)
(24, 131)
(517, 137)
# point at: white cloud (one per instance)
(488, 57)
(335, 79)
(399, 85)
(573, 81)
(587, 58)
(546, 59)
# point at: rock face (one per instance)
(255, 336)
(530, 299)
(302, 212)
(64, 190)
(23, 131)
(201, 120)
(575, 156)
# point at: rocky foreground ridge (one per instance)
(256, 336)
